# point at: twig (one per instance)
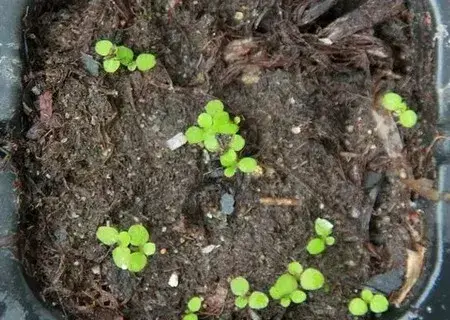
(287, 202)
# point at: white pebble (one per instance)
(176, 141)
(164, 229)
(296, 130)
(369, 131)
(350, 129)
(95, 269)
(321, 206)
(209, 249)
(76, 263)
(173, 280)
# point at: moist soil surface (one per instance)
(98, 152)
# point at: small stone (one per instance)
(176, 141)
(326, 41)
(36, 91)
(227, 204)
(238, 16)
(173, 280)
(403, 174)
(369, 131)
(90, 64)
(296, 130)
(321, 206)
(350, 129)
(95, 269)
(355, 213)
(209, 249)
(163, 251)
(76, 263)
(163, 229)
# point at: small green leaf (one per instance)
(237, 120)
(358, 307)
(190, 316)
(295, 269)
(138, 261)
(211, 143)
(298, 296)
(229, 158)
(107, 235)
(315, 246)
(194, 135)
(132, 66)
(285, 302)
(241, 302)
(312, 279)
(323, 227)
(239, 286)
(258, 300)
(229, 128)
(330, 241)
(121, 257)
(145, 61)
(367, 295)
(139, 235)
(275, 293)
(111, 65)
(204, 120)
(237, 143)
(391, 101)
(229, 172)
(213, 107)
(247, 165)
(379, 304)
(124, 55)
(104, 48)
(284, 286)
(194, 304)
(124, 239)
(408, 119)
(149, 249)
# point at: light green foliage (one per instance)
(312, 279)
(298, 296)
(241, 302)
(132, 246)
(239, 286)
(193, 306)
(394, 102)
(367, 295)
(217, 133)
(377, 303)
(358, 307)
(241, 289)
(295, 269)
(190, 316)
(258, 300)
(114, 56)
(323, 229)
(283, 287)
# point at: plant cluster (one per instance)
(394, 102)
(218, 133)
(241, 289)
(133, 246)
(193, 306)
(377, 303)
(323, 229)
(114, 56)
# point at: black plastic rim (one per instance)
(17, 300)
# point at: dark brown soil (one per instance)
(102, 156)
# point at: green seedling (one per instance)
(241, 289)
(229, 160)
(360, 306)
(193, 306)
(323, 229)
(394, 102)
(132, 246)
(115, 56)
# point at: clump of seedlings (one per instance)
(218, 133)
(114, 56)
(323, 229)
(241, 289)
(377, 303)
(394, 102)
(288, 287)
(193, 306)
(132, 246)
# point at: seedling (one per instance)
(394, 102)
(133, 246)
(193, 306)
(114, 56)
(241, 289)
(217, 133)
(377, 303)
(323, 229)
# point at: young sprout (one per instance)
(286, 288)
(323, 229)
(393, 102)
(194, 305)
(241, 289)
(408, 119)
(377, 303)
(358, 307)
(312, 279)
(133, 246)
(258, 300)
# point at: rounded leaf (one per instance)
(211, 143)
(237, 120)
(229, 128)
(138, 235)
(379, 303)
(213, 107)
(295, 268)
(237, 142)
(247, 165)
(194, 304)
(358, 307)
(194, 135)
(204, 120)
(330, 241)
(229, 172)
(149, 248)
(111, 65)
(408, 119)
(239, 286)
(312, 279)
(124, 55)
(258, 300)
(367, 295)
(285, 302)
(275, 293)
(241, 302)
(121, 257)
(315, 246)
(391, 101)
(298, 296)
(107, 235)
(138, 261)
(132, 66)
(284, 286)
(123, 239)
(190, 316)
(323, 227)
(104, 47)
(145, 61)
(229, 158)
